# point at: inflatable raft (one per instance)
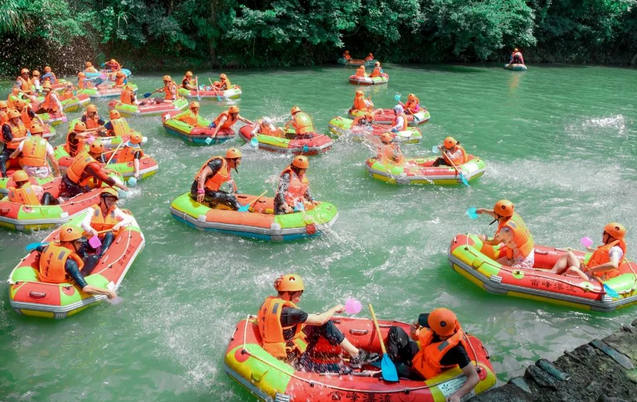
(31, 297)
(306, 144)
(197, 135)
(387, 116)
(33, 217)
(103, 91)
(474, 260)
(357, 62)
(75, 103)
(6, 182)
(150, 108)
(212, 92)
(271, 379)
(260, 223)
(341, 126)
(53, 119)
(121, 127)
(383, 79)
(104, 74)
(515, 67)
(420, 171)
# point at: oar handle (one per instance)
(114, 152)
(257, 199)
(380, 336)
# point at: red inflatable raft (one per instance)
(305, 144)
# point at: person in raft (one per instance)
(362, 104)
(92, 119)
(190, 116)
(369, 57)
(442, 345)
(212, 176)
(114, 117)
(112, 65)
(27, 113)
(605, 260)
(291, 334)
(35, 151)
(512, 231)
(188, 82)
(412, 106)
(49, 75)
(62, 262)
(84, 169)
(106, 218)
(127, 97)
(24, 193)
(88, 68)
(360, 72)
(400, 120)
(301, 121)
(452, 153)
(13, 133)
(266, 126)
(169, 89)
(516, 57)
(293, 190)
(363, 120)
(224, 84)
(23, 82)
(347, 56)
(227, 119)
(390, 151)
(377, 71)
(51, 102)
(131, 152)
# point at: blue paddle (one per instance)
(472, 214)
(387, 366)
(610, 291)
(32, 246)
(397, 97)
(246, 208)
(254, 142)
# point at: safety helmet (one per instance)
(96, 147)
(188, 73)
(223, 76)
(301, 162)
(91, 108)
(233, 153)
(386, 138)
(289, 283)
(79, 127)
(411, 97)
(35, 73)
(516, 50)
(442, 321)
(347, 52)
(70, 233)
(233, 109)
(504, 208)
(109, 192)
(36, 129)
(450, 142)
(13, 114)
(3, 104)
(19, 104)
(361, 68)
(113, 61)
(81, 74)
(167, 78)
(616, 230)
(377, 64)
(20, 176)
(114, 114)
(136, 138)
(120, 74)
(46, 86)
(295, 109)
(359, 93)
(47, 69)
(194, 104)
(88, 64)
(398, 109)
(24, 71)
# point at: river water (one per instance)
(560, 142)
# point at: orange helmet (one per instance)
(81, 74)
(19, 104)
(359, 93)
(91, 108)
(35, 73)
(361, 68)
(14, 114)
(70, 233)
(188, 73)
(79, 127)
(96, 147)
(113, 61)
(233, 153)
(233, 109)
(120, 74)
(450, 142)
(47, 69)
(301, 162)
(295, 109)
(109, 192)
(442, 321)
(20, 175)
(194, 104)
(4, 105)
(411, 97)
(167, 78)
(616, 230)
(223, 76)
(46, 86)
(136, 138)
(24, 71)
(36, 129)
(386, 138)
(88, 64)
(289, 283)
(504, 208)
(114, 114)
(347, 52)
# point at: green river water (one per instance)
(560, 142)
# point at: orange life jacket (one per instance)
(73, 149)
(170, 90)
(34, 151)
(271, 330)
(119, 82)
(404, 127)
(229, 119)
(19, 131)
(53, 261)
(4, 118)
(189, 118)
(391, 154)
(522, 239)
(427, 360)
(376, 72)
(225, 84)
(24, 195)
(458, 158)
(214, 182)
(269, 129)
(361, 73)
(360, 103)
(602, 256)
(302, 123)
(25, 85)
(49, 103)
(128, 154)
(67, 94)
(413, 106)
(91, 122)
(126, 97)
(75, 172)
(101, 222)
(347, 57)
(26, 119)
(296, 188)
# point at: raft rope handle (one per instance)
(313, 383)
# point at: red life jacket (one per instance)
(91, 122)
(296, 188)
(427, 360)
(271, 330)
(522, 239)
(214, 182)
(53, 261)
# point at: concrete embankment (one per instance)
(602, 370)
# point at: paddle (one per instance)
(387, 367)
(462, 178)
(197, 85)
(472, 214)
(397, 97)
(95, 241)
(610, 291)
(32, 246)
(245, 208)
(114, 152)
(215, 88)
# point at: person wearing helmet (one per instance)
(169, 89)
(131, 152)
(347, 56)
(362, 104)
(112, 65)
(88, 68)
(35, 152)
(360, 72)
(389, 152)
(213, 176)
(35, 80)
(82, 83)
(226, 120)
(117, 125)
(283, 328)
(51, 103)
(75, 139)
(452, 153)
(412, 106)
(223, 83)
(266, 126)
(377, 71)
(50, 75)
(513, 233)
(92, 119)
(400, 119)
(516, 57)
(23, 82)
(190, 116)
(442, 345)
(293, 190)
(363, 120)
(68, 92)
(27, 114)
(24, 192)
(189, 82)
(106, 216)
(13, 133)
(62, 261)
(120, 80)
(127, 97)
(300, 121)
(604, 263)
(369, 57)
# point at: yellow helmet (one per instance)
(289, 283)
(188, 73)
(223, 76)
(109, 192)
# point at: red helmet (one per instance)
(289, 283)
(442, 321)
(301, 162)
(504, 208)
(616, 230)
